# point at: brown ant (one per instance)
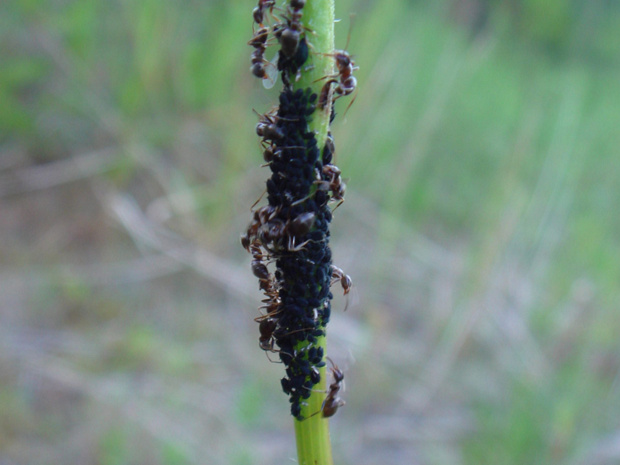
(272, 301)
(270, 152)
(279, 230)
(335, 183)
(267, 126)
(290, 35)
(259, 42)
(345, 281)
(267, 327)
(262, 216)
(258, 13)
(299, 226)
(346, 82)
(332, 402)
(266, 228)
(266, 282)
(261, 68)
(266, 340)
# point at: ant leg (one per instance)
(346, 304)
(275, 351)
(297, 202)
(326, 76)
(291, 245)
(350, 103)
(317, 412)
(259, 199)
(273, 16)
(260, 318)
(315, 390)
(339, 203)
(269, 358)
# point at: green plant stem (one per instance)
(312, 434)
(318, 17)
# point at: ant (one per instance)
(258, 13)
(345, 281)
(290, 36)
(332, 402)
(262, 216)
(299, 226)
(346, 82)
(266, 281)
(261, 68)
(269, 229)
(259, 42)
(335, 183)
(259, 269)
(267, 126)
(271, 152)
(266, 340)
(272, 302)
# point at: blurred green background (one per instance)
(481, 230)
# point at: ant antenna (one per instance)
(352, 17)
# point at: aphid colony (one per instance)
(291, 232)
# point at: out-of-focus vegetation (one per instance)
(481, 230)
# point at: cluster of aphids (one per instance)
(292, 230)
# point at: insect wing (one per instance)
(271, 71)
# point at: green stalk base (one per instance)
(312, 434)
